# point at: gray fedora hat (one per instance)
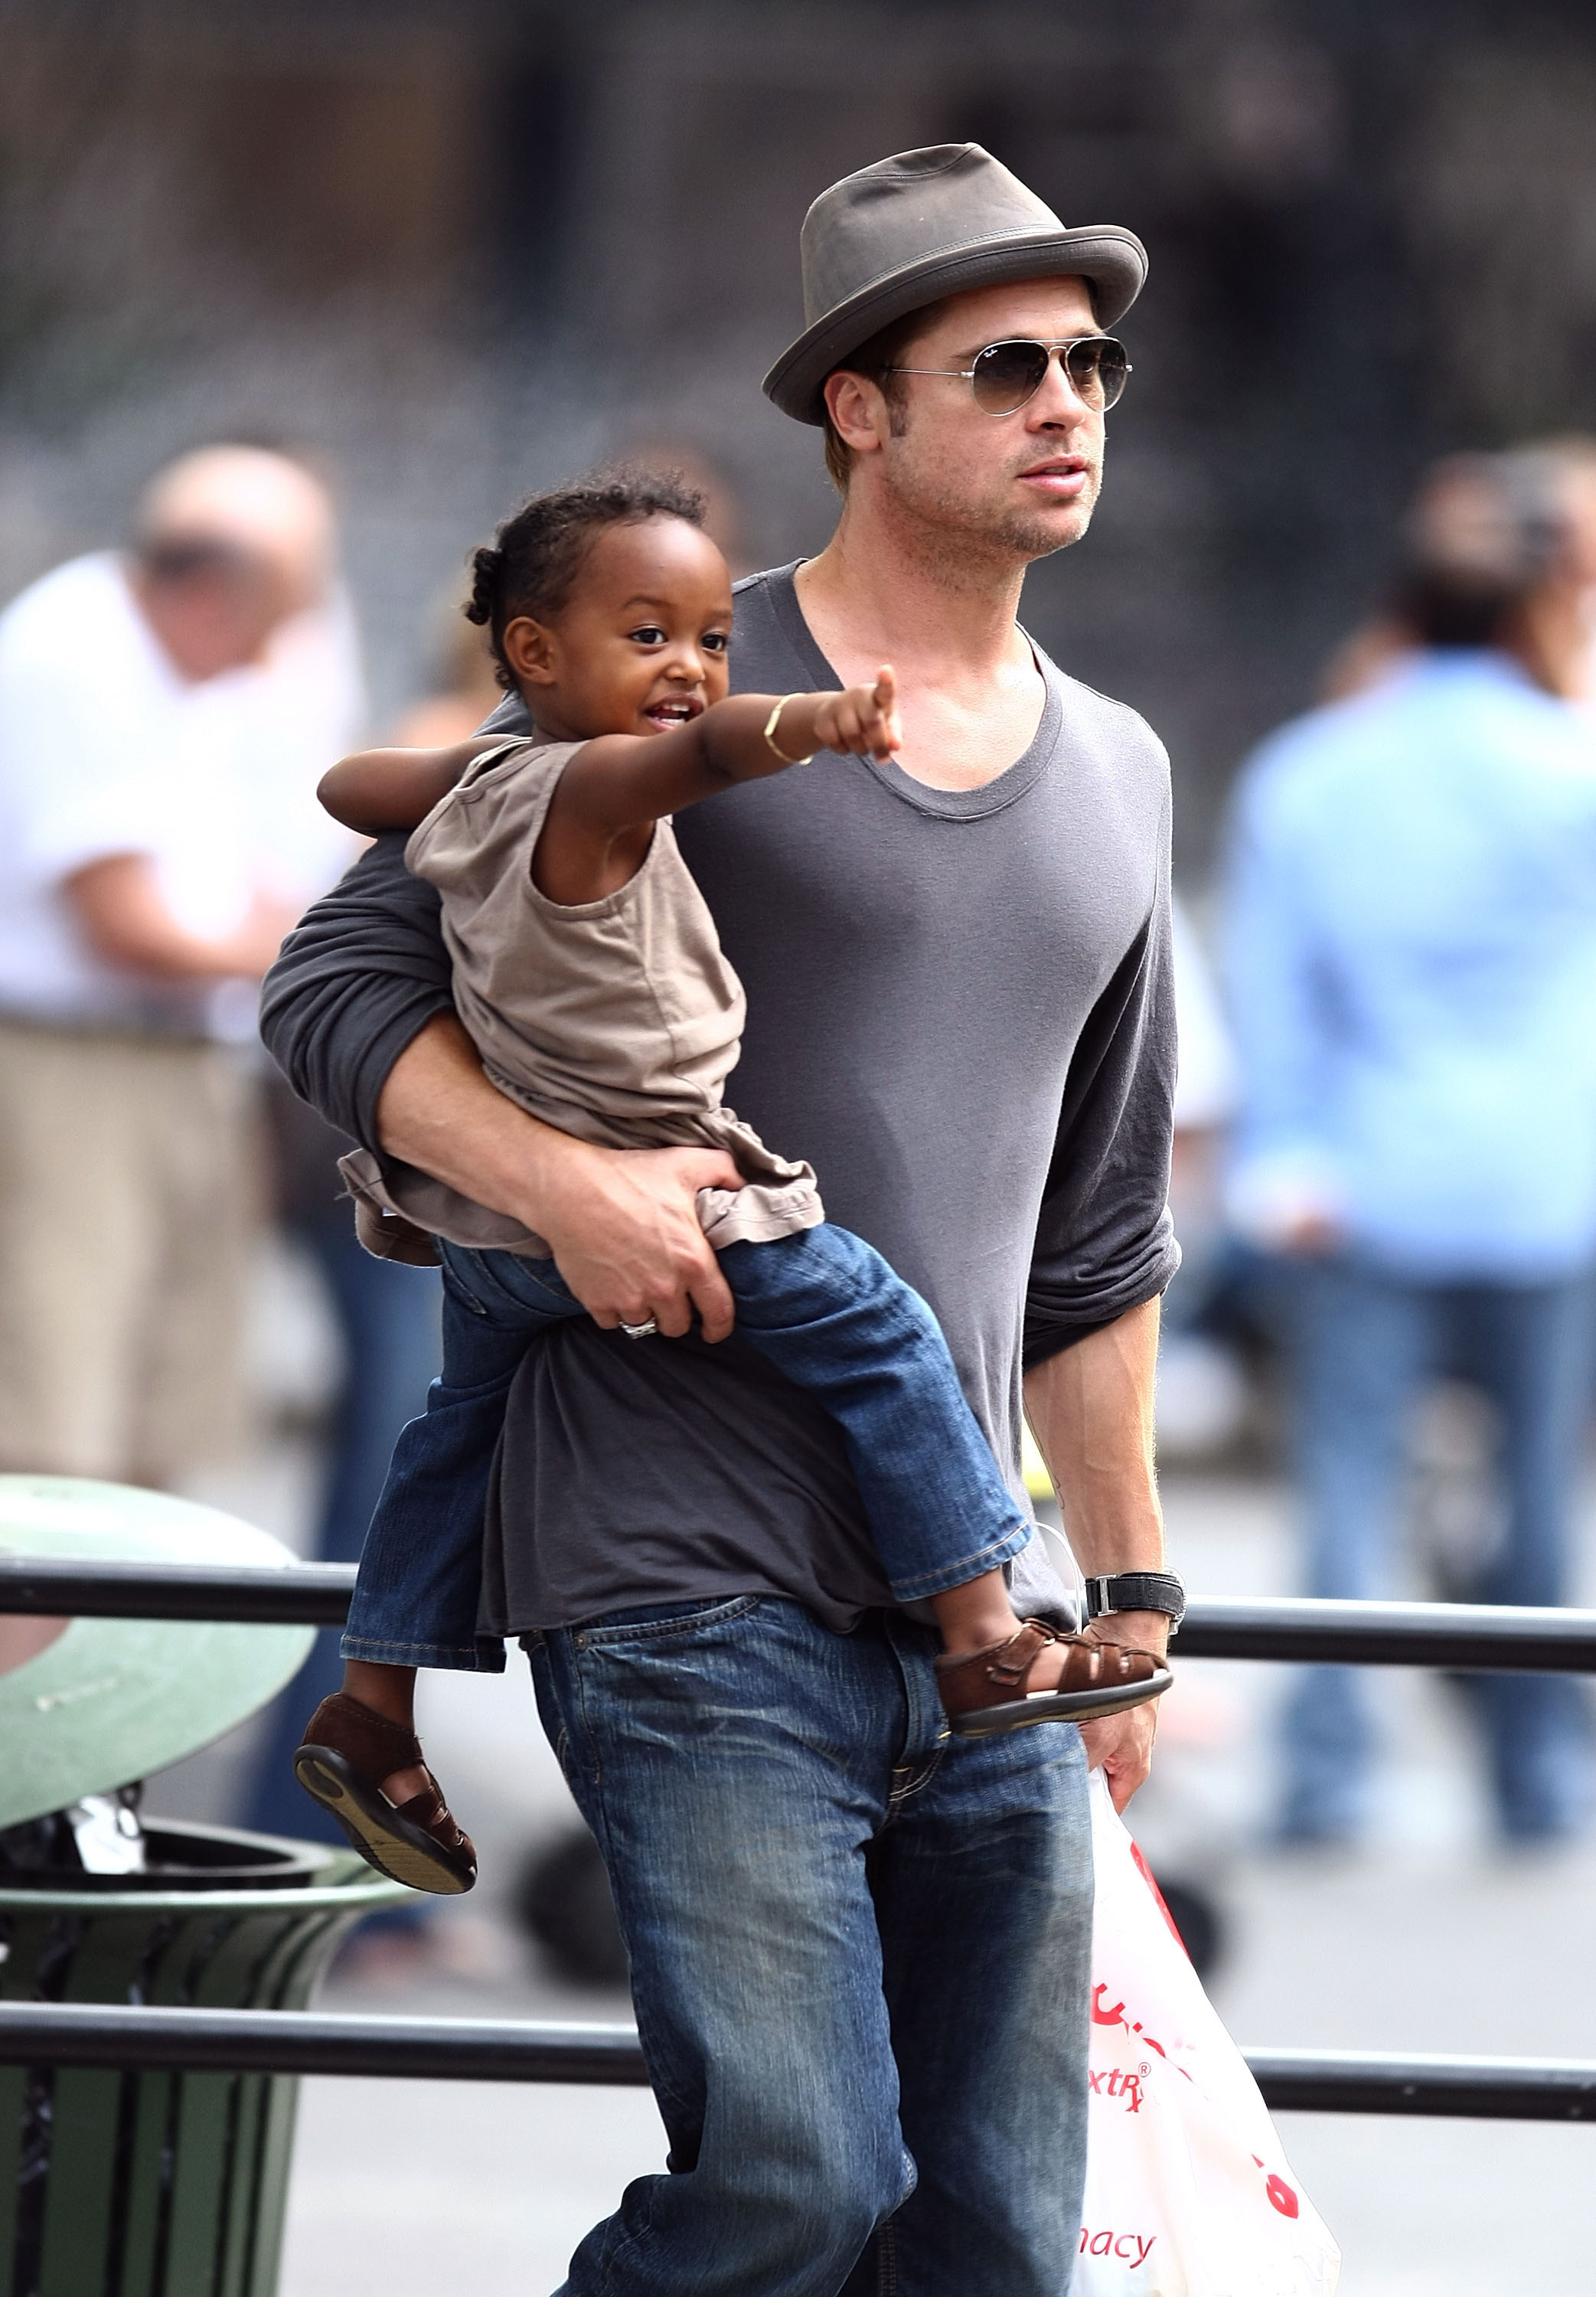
(922, 225)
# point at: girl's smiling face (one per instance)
(641, 643)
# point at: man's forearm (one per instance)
(1091, 1408)
(439, 1111)
(623, 1222)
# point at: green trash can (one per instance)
(154, 2184)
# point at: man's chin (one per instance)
(1000, 526)
(1038, 534)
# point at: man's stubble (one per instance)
(959, 537)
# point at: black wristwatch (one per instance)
(1138, 1591)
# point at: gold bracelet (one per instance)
(771, 724)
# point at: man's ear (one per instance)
(859, 411)
(529, 648)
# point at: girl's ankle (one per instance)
(972, 1631)
(389, 1692)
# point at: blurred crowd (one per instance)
(1407, 928)
(1386, 1152)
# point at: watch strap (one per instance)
(1137, 1591)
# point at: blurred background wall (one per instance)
(456, 248)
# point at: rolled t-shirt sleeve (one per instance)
(361, 975)
(1104, 1242)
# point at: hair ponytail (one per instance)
(487, 578)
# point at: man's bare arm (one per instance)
(1091, 1408)
(622, 1222)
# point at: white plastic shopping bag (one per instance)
(1188, 2192)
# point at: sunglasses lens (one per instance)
(1007, 374)
(1098, 368)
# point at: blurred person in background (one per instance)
(1568, 464)
(146, 883)
(388, 1315)
(165, 716)
(1202, 1388)
(1412, 970)
(1565, 468)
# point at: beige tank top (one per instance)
(618, 1020)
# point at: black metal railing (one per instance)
(472, 2049)
(1475, 1636)
(1453, 1635)
(297, 1595)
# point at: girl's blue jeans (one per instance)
(825, 1308)
(859, 1958)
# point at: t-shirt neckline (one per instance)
(946, 805)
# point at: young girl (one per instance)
(588, 971)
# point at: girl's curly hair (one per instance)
(532, 564)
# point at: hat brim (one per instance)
(1112, 258)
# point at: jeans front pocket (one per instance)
(661, 1625)
(675, 1673)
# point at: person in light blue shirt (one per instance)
(1411, 966)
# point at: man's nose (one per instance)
(1056, 398)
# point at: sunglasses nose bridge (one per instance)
(1059, 365)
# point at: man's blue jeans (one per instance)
(1364, 1343)
(822, 1305)
(860, 1953)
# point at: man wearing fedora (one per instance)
(859, 1948)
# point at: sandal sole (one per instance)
(1057, 1706)
(384, 1840)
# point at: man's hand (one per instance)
(627, 1238)
(622, 1222)
(126, 919)
(1121, 1748)
(1122, 1745)
(1312, 1236)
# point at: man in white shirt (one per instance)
(146, 883)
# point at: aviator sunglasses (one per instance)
(1005, 375)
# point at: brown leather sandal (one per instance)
(1100, 1679)
(346, 1753)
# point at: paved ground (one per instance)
(1430, 1940)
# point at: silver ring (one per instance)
(643, 1331)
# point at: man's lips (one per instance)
(1064, 477)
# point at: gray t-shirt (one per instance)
(960, 1011)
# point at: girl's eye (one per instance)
(716, 641)
(650, 634)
